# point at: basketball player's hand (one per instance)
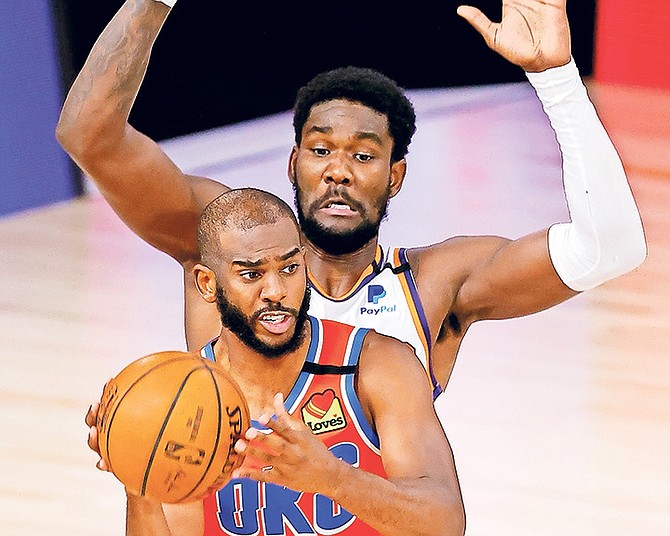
(290, 456)
(533, 34)
(90, 420)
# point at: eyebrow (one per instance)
(246, 263)
(361, 134)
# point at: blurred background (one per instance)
(560, 421)
(219, 52)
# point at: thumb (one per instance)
(478, 21)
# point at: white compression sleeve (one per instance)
(169, 3)
(604, 238)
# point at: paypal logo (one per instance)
(375, 293)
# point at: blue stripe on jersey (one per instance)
(356, 346)
(402, 254)
(352, 398)
(296, 391)
(411, 284)
(208, 351)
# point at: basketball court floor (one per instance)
(559, 422)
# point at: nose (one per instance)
(338, 170)
(274, 289)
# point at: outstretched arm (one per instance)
(604, 238)
(144, 187)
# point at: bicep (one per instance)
(412, 442)
(518, 279)
(488, 277)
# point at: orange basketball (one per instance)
(167, 425)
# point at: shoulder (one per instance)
(387, 361)
(392, 384)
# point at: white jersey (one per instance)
(384, 299)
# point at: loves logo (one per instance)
(323, 412)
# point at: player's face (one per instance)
(262, 287)
(342, 175)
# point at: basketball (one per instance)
(167, 425)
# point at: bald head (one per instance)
(241, 209)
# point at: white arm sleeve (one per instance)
(604, 238)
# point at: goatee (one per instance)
(336, 242)
(241, 325)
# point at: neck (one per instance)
(337, 274)
(260, 377)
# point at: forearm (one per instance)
(145, 518)
(399, 507)
(604, 238)
(98, 104)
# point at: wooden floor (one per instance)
(560, 422)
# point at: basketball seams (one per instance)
(218, 433)
(128, 389)
(166, 419)
(161, 389)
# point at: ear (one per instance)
(291, 164)
(398, 170)
(205, 282)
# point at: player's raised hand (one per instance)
(533, 34)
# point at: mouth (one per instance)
(338, 207)
(276, 322)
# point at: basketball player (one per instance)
(352, 131)
(349, 390)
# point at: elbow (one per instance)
(629, 253)
(83, 137)
(65, 134)
(585, 261)
(448, 518)
(638, 250)
(73, 137)
(450, 523)
(456, 515)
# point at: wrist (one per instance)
(557, 84)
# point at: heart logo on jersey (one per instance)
(320, 403)
(323, 413)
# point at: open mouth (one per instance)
(338, 207)
(276, 322)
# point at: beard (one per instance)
(241, 325)
(332, 241)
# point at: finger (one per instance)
(278, 404)
(283, 424)
(478, 21)
(255, 451)
(268, 475)
(93, 439)
(102, 465)
(92, 414)
(93, 445)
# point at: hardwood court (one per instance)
(560, 422)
